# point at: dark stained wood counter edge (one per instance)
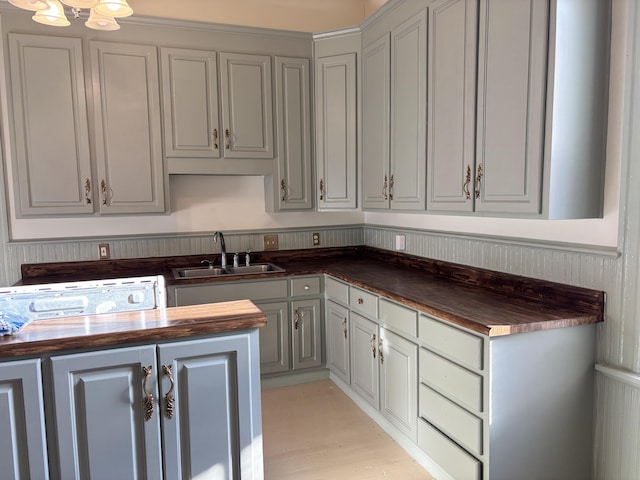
(578, 305)
(112, 329)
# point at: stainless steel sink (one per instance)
(200, 272)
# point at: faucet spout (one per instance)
(223, 247)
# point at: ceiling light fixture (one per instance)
(102, 14)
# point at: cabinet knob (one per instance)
(307, 287)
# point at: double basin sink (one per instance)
(200, 272)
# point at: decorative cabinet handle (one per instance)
(296, 319)
(147, 403)
(384, 188)
(360, 301)
(344, 327)
(215, 139)
(87, 191)
(106, 192)
(227, 139)
(283, 190)
(465, 185)
(321, 189)
(391, 182)
(372, 344)
(380, 351)
(168, 398)
(479, 174)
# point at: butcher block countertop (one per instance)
(484, 301)
(111, 329)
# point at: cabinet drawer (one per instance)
(461, 347)
(455, 460)
(452, 419)
(364, 301)
(457, 383)
(336, 290)
(223, 292)
(398, 317)
(305, 286)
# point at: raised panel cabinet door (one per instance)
(407, 183)
(22, 430)
(306, 333)
(53, 165)
(210, 407)
(190, 101)
(274, 338)
(338, 334)
(364, 359)
(375, 123)
(104, 429)
(451, 101)
(127, 122)
(399, 382)
(247, 111)
(336, 134)
(512, 69)
(293, 113)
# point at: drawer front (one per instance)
(336, 290)
(363, 301)
(223, 292)
(398, 317)
(457, 383)
(305, 286)
(452, 419)
(451, 457)
(461, 347)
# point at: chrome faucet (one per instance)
(223, 247)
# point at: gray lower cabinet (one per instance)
(338, 339)
(174, 410)
(306, 333)
(22, 427)
(274, 338)
(364, 359)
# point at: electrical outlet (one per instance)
(103, 251)
(271, 242)
(400, 243)
(315, 238)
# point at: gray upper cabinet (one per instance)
(53, 165)
(127, 128)
(247, 112)
(293, 116)
(451, 100)
(336, 131)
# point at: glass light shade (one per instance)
(53, 16)
(80, 3)
(114, 8)
(101, 22)
(33, 5)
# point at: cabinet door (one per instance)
(127, 123)
(293, 114)
(274, 338)
(375, 124)
(50, 125)
(512, 56)
(364, 359)
(338, 341)
(451, 103)
(306, 333)
(399, 382)
(22, 431)
(336, 140)
(190, 100)
(247, 111)
(407, 183)
(101, 426)
(214, 429)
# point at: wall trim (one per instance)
(625, 376)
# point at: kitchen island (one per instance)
(165, 393)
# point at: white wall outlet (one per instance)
(400, 243)
(271, 242)
(103, 251)
(315, 238)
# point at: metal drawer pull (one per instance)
(296, 320)
(215, 139)
(380, 351)
(227, 142)
(478, 180)
(344, 327)
(391, 182)
(87, 191)
(106, 192)
(372, 345)
(168, 398)
(465, 185)
(147, 403)
(384, 188)
(283, 190)
(321, 189)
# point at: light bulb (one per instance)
(101, 22)
(53, 16)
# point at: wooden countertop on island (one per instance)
(111, 329)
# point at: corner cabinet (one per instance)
(336, 131)
(126, 102)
